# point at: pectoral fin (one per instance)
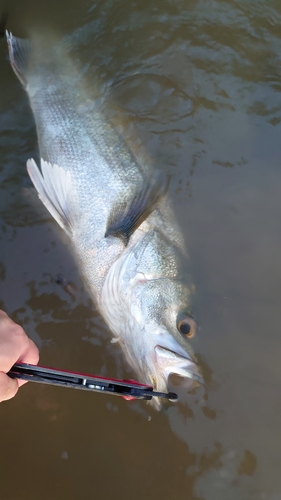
(128, 216)
(53, 188)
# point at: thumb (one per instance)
(8, 387)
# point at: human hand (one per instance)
(15, 346)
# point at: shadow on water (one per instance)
(197, 87)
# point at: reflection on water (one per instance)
(196, 85)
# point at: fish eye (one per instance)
(186, 325)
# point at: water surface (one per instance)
(197, 85)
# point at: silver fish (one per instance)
(116, 212)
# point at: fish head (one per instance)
(152, 323)
(146, 301)
(163, 327)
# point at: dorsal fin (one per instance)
(53, 187)
(129, 215)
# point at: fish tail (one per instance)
(19, 52)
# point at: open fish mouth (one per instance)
(170, 362)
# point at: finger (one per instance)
(31, 356)
(8, 387)
(12, 348)
(17, 347)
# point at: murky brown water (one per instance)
(200, 81)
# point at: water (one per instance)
(199, 81)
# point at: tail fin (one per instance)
(19, 51)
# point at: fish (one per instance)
(117, 212)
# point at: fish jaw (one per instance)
(167, 357)
(160, 356)
(170, 362)
(155, 356)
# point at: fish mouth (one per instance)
(170, 362)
